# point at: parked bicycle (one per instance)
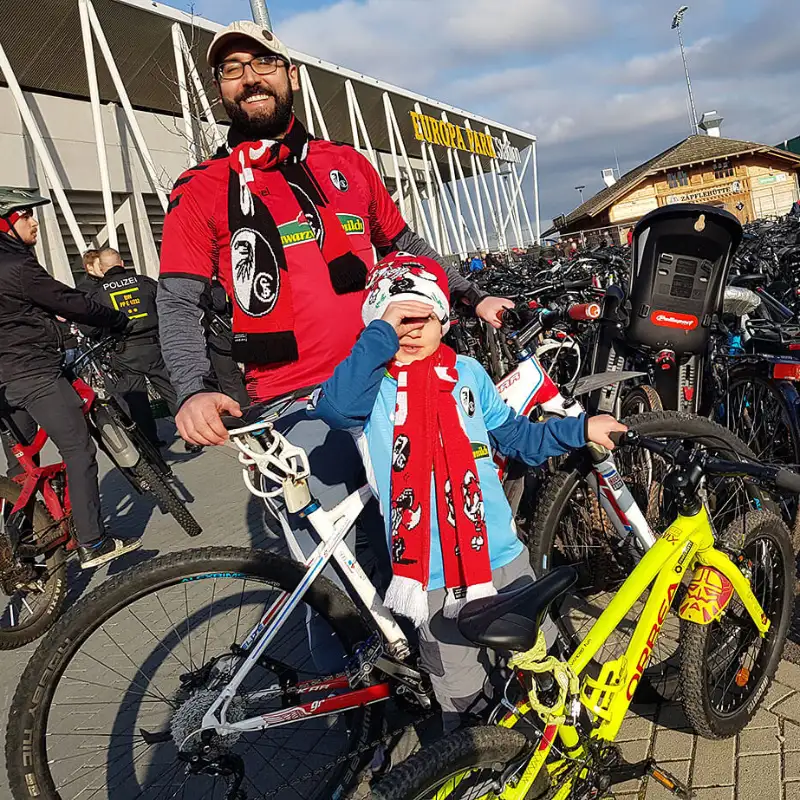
(36, 534)
(554, 731)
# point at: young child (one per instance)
(429, 419)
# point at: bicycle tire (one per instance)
(697, 641)
(780, 442)
(485, 747)
(642, 399)
(55, 592)
(153, 482)
(558, 500)
(28, 764)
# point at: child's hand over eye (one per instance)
(599, 428)
(407, 315)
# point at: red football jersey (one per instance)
(196, 244)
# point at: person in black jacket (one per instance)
(139, 358)
(30, 365)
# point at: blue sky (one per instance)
(588, 77)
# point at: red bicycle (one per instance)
(36, 528)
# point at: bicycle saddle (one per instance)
(510, 620)
(267, 411)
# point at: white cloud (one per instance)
(413, 41)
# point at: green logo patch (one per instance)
(351, 223)
(479, 450)
(295, 232)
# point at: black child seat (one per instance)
(510, 620)
(681, 256)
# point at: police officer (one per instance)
(138, 359)
(30, 365)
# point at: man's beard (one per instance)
(265, 124)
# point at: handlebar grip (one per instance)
(621, 438)
(788, 481)
(584, 312)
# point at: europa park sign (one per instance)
(437, 131)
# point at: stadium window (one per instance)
(723, 169)
(677, 178)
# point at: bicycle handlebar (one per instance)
(675, 453)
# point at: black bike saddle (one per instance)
(510, 620)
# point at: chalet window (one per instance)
(677, 178)
(723, 169)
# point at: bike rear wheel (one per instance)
(727, 666)
(570, 527)
(128, 671)
(462, 766)
(28, 614)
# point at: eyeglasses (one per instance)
(261, 65)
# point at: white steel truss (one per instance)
(454, 212)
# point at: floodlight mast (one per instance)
(677, 20)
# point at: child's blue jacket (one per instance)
(360, 396)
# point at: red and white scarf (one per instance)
(430, 440)
(262, 270)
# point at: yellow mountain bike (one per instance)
(553, 733)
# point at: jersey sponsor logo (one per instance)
(339, 180)
(352, 224)
(256, 289)
(671, 319)
(480, 450)
(300, 230)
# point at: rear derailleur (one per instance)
(228, 766)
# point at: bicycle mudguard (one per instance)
(707, 596)
(591, 383)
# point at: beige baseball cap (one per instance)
(250, 30)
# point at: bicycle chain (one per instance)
(384, 739)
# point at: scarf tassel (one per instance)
(348, 273)
(453, 605)
(406, 597)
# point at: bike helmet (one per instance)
(12, 200)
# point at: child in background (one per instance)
(429, 419)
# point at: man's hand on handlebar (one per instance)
(198, 419)
(490, 309)
(599, 430)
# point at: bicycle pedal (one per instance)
(669, 782)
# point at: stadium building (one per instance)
(103, 103)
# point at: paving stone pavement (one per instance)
(762, 763)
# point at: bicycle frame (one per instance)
(686, 545)
(38, 479)
(529, 386)
(523, 389)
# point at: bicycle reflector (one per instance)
(681, 255)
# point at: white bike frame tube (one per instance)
(332, 527)
(520, 390)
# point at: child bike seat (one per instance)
(510, 620)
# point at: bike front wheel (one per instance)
(571, 528)
(466, 765)
(727, 666)
(112, 695)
